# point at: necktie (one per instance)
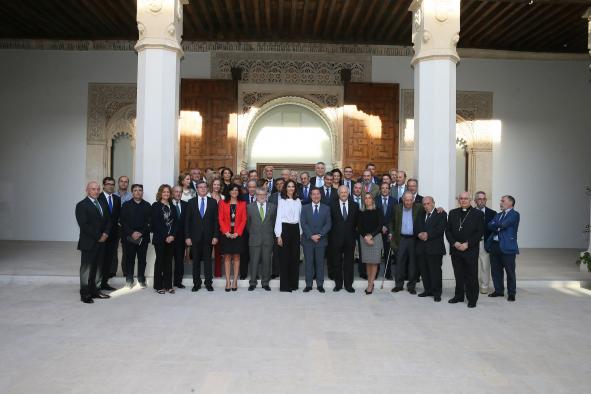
(261, 212)
(270, 186)
(178, 210)
(305, 192)
(202, 207)
(98, 207)
(315, 210)
(385, 205)
(502, 217)
(327, 192)
(110, 204)
(367, 187)
(428, 216)
(344, 211)
(251, 199)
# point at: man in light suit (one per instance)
(502, 245)
(399, 186)
(261, 223)
(483, 255)
(316, 222)
(368, 185)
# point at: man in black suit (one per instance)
(95, 226)
(344, 216)
(385, 204)
(430, 248)
(483, 256)
(318, 179)
(250, 196)
(180, 208)
(268, 175)
(413, 186)
(304, 188)
(109, 265)
(465, 227)
(195, 177)
(201, 233)
(328, 194)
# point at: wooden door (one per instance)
(370, 128)
(214, 145)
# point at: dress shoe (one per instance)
(209, 287)
(234, 288)
(336, 289)
(251, 288)
(368, 292)
(243, 277)
(180, 286)
(227, 289)
(495, 294)
(389, 277)
(455, 300)
(321, 289)
(307, 289)
(143, 285)
(195, 288)
(101, 296)
(267, 288)
(108, 287)
(424, 294)
(87, 300)
(471, 305)
(412, 291)
(396, 289)
(511, 297)
(350, 289)
(437, 299)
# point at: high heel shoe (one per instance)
(227, 288)
(234, 288)
(367, 292)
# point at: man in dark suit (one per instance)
(402, 242)
(201, 233)
(268, 175)
(315, 220)
(344, 216)
(430, 248)
(502, 244)
(195, 177)
(412, 186)
(249, 198)
(398, 185)
(95, 226)
(465, 227)
(328, 194)
(304, 188)
(260, 222)
(318, 179)
(483, 256)
(385, 204)
(374, 178)
(348, 178)
(180, 208)
(275, 196)
(109, 265)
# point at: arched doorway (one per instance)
(289, 130)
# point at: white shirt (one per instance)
(288, 211)
(348, 183)
(319, 181)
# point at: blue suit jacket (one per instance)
(310, 226)
(506, 230)
(389, 211)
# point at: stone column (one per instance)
(435, 33)
(160, 24)
(587, 16)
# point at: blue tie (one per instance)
(202, 207)
(315, 210)
(110, 204)
(305, 192)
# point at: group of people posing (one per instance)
(258, 227)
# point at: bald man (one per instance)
(94, 221)
(465, 228)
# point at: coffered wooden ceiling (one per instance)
(517, 25)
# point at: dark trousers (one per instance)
(114, 255)
(276, 259)
(465, 266)
(133, 250)
(179, 260)
(244, 256)
(289, 254)
(90, 261)
(123, 254)
(343, 264)
(360, 266)
(406, 265)
(104, 273)
(163, 265)
(499, 262)
(430, 266)
(387, 264)
(202, 252)
(314, 263)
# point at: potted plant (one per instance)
(584, 260)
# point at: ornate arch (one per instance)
(298, 101)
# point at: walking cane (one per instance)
(386, 268)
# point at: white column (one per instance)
(159, 52)
(436, 25)
(587, 16)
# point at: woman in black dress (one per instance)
(163, 226)
(232, 220)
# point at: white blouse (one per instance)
(187, 195)
(288, 211)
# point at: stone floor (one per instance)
(261, 342)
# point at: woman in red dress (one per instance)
(232, 220)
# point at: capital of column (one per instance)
(435, 29)
(587, 15)
(160, 24)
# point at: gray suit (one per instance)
(314, 251)
(260, 241)
(394, 192)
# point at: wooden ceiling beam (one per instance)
(207, 17)
(327, 24)
(477, 22)
(293, 17)
(344, 14)
(369, 13)
(395, 30)
(546, 14)
(257, 16)
(394, 17)
(378, 18)
(268, 16)
(230, 10)
(217, 10)
(14, 14)
(555, 33)
(319, 10)
(508, 29)
(280, 10)
(304, 18)
(190, 17)
(96, 10)
(244, 17)
(356, 13)
(490, 23)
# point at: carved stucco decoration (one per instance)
(292, 69)
(104, 100)
(257, 99)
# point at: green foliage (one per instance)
(585, 258)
